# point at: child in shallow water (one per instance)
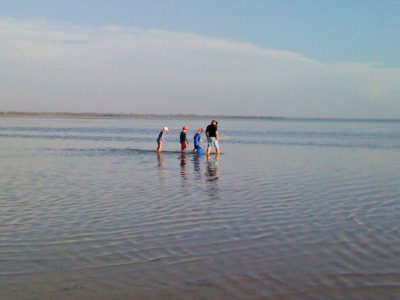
(198, 142)
(161, 139)
(183, 138)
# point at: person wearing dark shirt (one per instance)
(183, 139)
(161, 139)
(212, 137)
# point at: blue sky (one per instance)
(275, 58)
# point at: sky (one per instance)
(281, 58)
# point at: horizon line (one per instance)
(94, 115)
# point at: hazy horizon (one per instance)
(286, 59)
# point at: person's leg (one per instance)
(159, 147)
(216, 145)
(183, 146)
(209, 146)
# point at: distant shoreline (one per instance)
(125, 116)
(89, 115)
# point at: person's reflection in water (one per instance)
(183, 165)
(198, 160)
(212, 174)
(161, 165)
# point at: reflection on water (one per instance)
(93, 218)
(212, 167)
(212, 176)
(162, 167)
(184, 171)
(198, 164)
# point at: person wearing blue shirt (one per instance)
(198, 142)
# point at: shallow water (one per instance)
(290, 209)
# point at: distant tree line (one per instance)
(92, 115)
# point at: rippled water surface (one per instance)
(291, 209)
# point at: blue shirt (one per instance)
(196, 139)
(159, 139)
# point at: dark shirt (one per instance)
(183, 137)
(159, 139)
(211, 130)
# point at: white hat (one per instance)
(166, 129)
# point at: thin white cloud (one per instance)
(51, 66)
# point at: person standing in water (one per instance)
(161, 139)
(212, 137)
(183, 139)
(198, 142)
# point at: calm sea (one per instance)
(291, 209)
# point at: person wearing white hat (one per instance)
(161, 139)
